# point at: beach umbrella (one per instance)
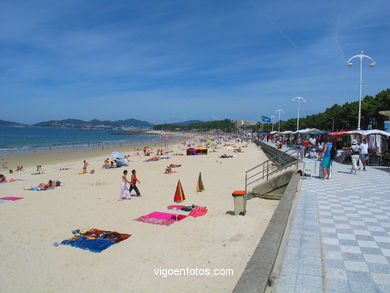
(117, 155)
(179, 194)
(199, 185)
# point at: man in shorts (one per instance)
(364, 153)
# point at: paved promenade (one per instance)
(339, 240)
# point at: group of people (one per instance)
(109, 164)
(125, 193)
(359, 153)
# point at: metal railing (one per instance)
(275, 163)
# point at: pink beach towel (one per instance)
(198, 211)
(159, 218)
(9, 198)
(175, 207)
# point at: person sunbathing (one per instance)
(106, 164)
(224, 156)
(168, 170)
(41, 186)
(3, 178)
(55, 183)
(174, 165)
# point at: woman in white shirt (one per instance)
(355, 151)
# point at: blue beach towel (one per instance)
(94, 245)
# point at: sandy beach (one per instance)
(217, 240)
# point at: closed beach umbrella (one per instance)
(179, 194)
(199, 185)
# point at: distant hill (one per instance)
(95, 123)
(9, 123)
(186, 123)
(224, 125)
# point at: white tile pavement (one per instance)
(348, 220)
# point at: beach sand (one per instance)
(218, 240)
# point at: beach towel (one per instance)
(83, 242)
(198, 211)
(175, 207)
(11, 180)
(96, 240)
(159, 218)
(10, 198)
(36, 188)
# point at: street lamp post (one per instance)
(298, 100)
(279, 111)
(361, 56)
(272, 121)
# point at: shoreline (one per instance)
(33, 158)
(79, 146)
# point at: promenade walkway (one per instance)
(339, 239)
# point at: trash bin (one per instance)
(239, 202)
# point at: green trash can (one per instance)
(239, 202)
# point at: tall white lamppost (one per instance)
(361, 56)
(272, 121)
(298, 100)
(279, 111)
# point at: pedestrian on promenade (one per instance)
(320, 149)
(364, 153)
(133, 183)
(124, 191)
(355, 152)
(326, 160)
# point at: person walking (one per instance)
(326, 160)
(124, 193)
(355, 152)
(364, 153)
(133, 183)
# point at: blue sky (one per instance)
(168, 61)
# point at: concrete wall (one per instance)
(256, 275)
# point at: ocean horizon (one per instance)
(35, 139)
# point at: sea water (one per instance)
(31, 139)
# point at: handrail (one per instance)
(265, 169)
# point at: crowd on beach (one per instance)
(127, 185)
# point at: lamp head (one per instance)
(349, 64)
(372, 64)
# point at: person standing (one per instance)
(355, 151)
(133, 183)
(364, 153)
(313, 141)
(326, 160)
(124, 191)
(85, 166)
